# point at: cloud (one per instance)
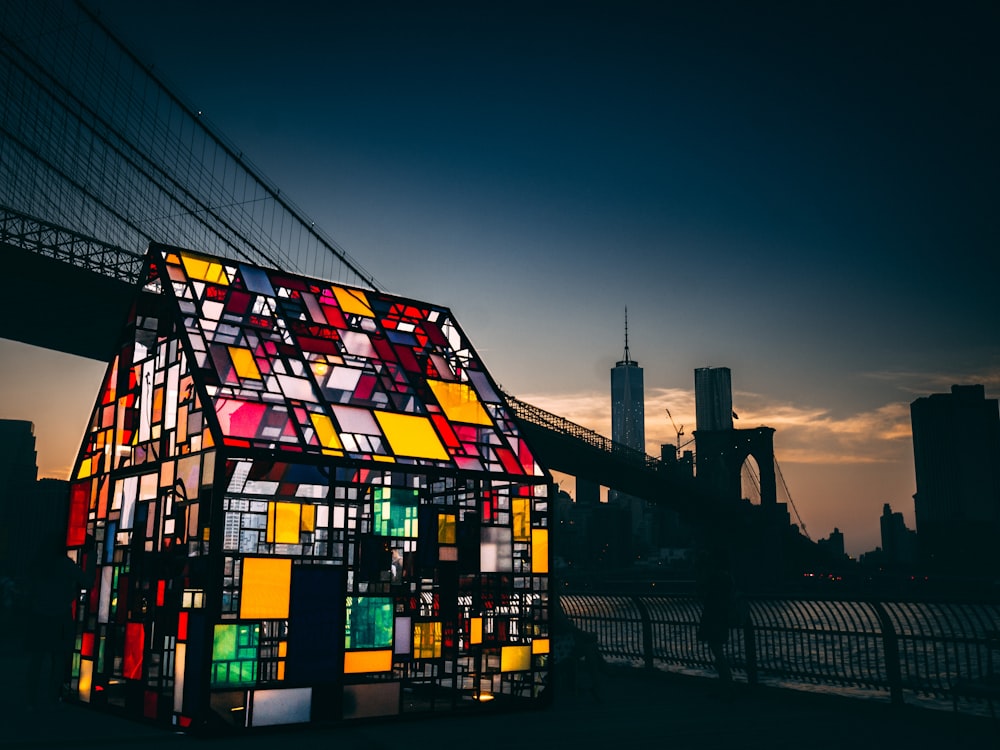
(804, 434)
(589, 409)
(925, 383)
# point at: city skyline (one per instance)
(801, 195)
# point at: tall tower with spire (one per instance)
(628, 426)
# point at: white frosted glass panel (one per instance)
(290, 706)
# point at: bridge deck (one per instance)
(636, 710)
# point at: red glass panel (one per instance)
(510, 463)
(76, 530)
(444, 429)
(135, 641)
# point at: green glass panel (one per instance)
(369, 622)
(234, 654)
(396, 512)
(224, 643)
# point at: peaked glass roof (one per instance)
(306, 366)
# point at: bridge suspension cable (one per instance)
(802, 524)
(92, 140)
(752, 478)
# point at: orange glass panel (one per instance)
(367, 661)
(476, 630)
(539, 550)
(264, 594)
(353, 301)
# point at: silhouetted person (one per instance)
(49, 636)
(718, 605)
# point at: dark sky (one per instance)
(804, 192)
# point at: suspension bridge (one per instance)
(98, 158)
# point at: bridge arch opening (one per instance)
(750, 479)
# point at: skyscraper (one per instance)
(956, 452)
(18, 471)
(713, 398)
(628, 425)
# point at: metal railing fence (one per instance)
(903, 651)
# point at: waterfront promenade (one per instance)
(636, 710)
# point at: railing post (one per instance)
(890, 642)
(750, 648)
(647, 632)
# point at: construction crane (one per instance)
(678, 430)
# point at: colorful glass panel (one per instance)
(272, 460)
(266, 587)
(369, 622)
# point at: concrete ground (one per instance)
(634, 709)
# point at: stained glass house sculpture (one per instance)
(302, 502)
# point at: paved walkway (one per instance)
(636, 710)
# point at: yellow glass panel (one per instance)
(540, 646)
(353, 301)
(367, 661)
(476, 630)
(243, 362)
(84, 469)
(515, 658)
(539, 550)
(86, 678)
(459, 402)
(204, 270)
(427, 640)
(286, 523)
(264, 594)
(308, 518)
(326, 432)
(411, 435)
(522, 519)
(446, 528)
